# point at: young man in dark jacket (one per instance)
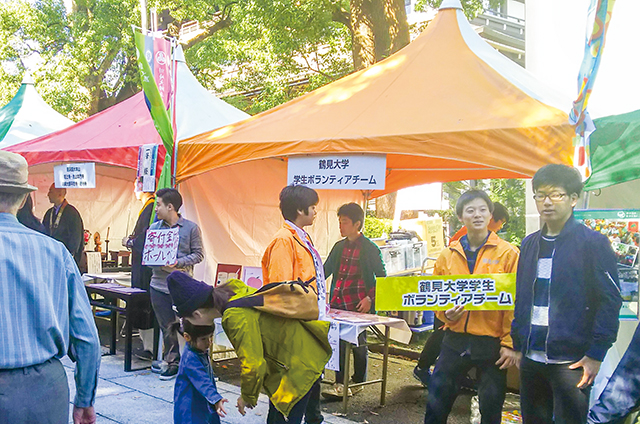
(354, 262)
(567, 304)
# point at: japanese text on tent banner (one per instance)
(75, 175)
(157, 51)
(161, 247)
(482, 292)
(147, 161)
(338, 172)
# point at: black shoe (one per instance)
(158, 367)
(145, 355)
(169, 373)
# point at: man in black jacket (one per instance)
(63, 222)
(354, 262)
(567, 304)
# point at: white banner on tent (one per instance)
(338, 172)
(147, 160)
(75, 175)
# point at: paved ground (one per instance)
(140, 397)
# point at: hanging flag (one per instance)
(598, 20)
(145, 51)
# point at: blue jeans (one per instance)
(549, 394)
(451, 367)
(308, 408)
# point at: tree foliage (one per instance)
(85, 57)
(471, 7)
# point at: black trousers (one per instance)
(431, 348)
(444, 385)
(360, 359)
(549, 394)
(35, 394)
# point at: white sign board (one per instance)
(161, 247)
(75, 175)
(338, 172)
(147, 160)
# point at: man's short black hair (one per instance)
(170, 196)
(294, 198)
(554, 175)
(353, 211)
(500, 212)
(471, 195)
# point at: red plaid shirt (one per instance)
(349, 288)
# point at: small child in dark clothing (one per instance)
(195, 398)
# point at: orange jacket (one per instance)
(287, 258)
(495, 257)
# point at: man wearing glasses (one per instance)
(567, 304)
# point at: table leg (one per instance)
(385, 362)
(114, 331)
(128, 341)
(345, 380)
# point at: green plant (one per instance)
(375, 227)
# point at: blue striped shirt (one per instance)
(44, 308)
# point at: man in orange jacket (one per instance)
(291, 256)
(474, 339)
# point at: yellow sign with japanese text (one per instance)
(481, 292)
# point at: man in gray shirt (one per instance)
(190, 252)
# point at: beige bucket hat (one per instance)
(14, 173)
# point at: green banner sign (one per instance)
(482, 292)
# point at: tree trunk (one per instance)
(390, 26)
(386, 205)
(363, 49)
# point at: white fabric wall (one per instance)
(237, 209)
(112, 204)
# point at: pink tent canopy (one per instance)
(111, 137)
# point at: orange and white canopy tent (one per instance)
(447, 107)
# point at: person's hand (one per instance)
(508, 358)
(241, 404)
(455, 313)
(125, 240)
(590, 368)
(219, 405)
(84, 415)
(170, 267)
(364, 306)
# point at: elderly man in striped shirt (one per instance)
(44, 313)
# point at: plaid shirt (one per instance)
(349, 288)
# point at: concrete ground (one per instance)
(140, 397)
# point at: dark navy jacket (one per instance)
(195, 391)
(584, 293)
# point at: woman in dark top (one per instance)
(27, 218)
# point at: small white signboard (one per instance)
(338, 172)
(147, 160)
(161, 247)
(75, 175)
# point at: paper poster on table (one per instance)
(75, 175)
(334, 342)
(621, 228)
(161, 247)
(338, 172)
(478, 292)
(147, 162)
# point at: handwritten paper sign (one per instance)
(338, 172)
(334, 342)
(75, 175)
(486, 292)
(161, 247)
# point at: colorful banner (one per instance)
(600, 15)
(482, 292)
(155, 101)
